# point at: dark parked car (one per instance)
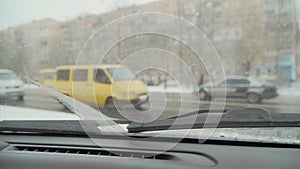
(240, 87)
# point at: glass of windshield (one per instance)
(187, 55)
(120, 74)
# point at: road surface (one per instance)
(161, 106)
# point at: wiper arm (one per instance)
(85, 112)
(235, 118)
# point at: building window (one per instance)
(237, 33)
(218, 14)
(216, 4)
(257, 10)
(19, 32)
(43, 27)
(247, 12)
(44, 41)
(226, 5)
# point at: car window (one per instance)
(231, 83)
(239, 82)
(100, 76)
(223, 83)
(63, 75)
(120, 74)
(80, 75)
(49, 76)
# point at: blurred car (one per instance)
(47, 77)
(240, 87)
(11, 85)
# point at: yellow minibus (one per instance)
(47, 77)
(102, 84)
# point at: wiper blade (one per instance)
(56, 127)
(235, 118)
(42, 127)
(202, 111)
(248, 112)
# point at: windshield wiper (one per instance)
(84, 111)
(235, 118)
(54, 127)
(72, 127)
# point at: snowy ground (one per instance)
(171, 89)
(30, 86)
(293, 90)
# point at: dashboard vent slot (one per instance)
(94, 152)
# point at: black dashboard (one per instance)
(56, 152)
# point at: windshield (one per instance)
(7, 76)
(120, 74)
(145, 61)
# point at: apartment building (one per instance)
(240, 30)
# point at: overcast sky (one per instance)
(15, 12)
